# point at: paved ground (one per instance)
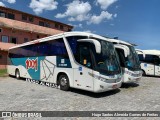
(20, 95)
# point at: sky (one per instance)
(134, 21)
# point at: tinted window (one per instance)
(81, 51)
(140, 57)
(11, 16)
(47, 24)
(61, 27)
(73, 42)
(4, 38)
(49, 48)
(57, 47)
(149, 59)
(156, 60)
(41, 23)
(24, 17)
(56, 26)
(31, 19)
(121, 56)
(2, 14)
(13, 40)
(84, 55)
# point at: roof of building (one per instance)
(6, 46)
(1, 7)
(14, 24)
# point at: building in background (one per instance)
(4, 53)
(18, 27)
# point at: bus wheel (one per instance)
(143, 73)
(17, 74)
(64, 82)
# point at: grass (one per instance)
(3, 73)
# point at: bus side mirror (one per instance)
(96, 43)
(125, 53)
(124, 48)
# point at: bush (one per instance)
(3, 72)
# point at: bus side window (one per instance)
(156, 60)
(52, 48)
(43, 49)
(149, 59)
(140, 57)
(58, 48)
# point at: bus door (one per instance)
(82, 79)
(122, 58)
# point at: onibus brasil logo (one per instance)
(32, 64)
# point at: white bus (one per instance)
(129, 61)
(72, 59)
(150, 61)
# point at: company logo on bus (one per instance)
(32, 64)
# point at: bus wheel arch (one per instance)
(63, 81)
(17, 73)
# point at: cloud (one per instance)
(88, 31)
(39, 6)
(105, 3)
(76, 11)
(10, 1)
(77, 25)
(111, 24)
(80, 25)
(115, 15)
(79, 10)
(98, 19)
(2, 4)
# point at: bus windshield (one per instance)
(85, 54)
(107, 60)
(133, 60)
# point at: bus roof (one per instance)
(151, 52)
(61, 35)
(120, 42)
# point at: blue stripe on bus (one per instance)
(33, 70)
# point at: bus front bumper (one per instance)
(131, 79)
(103, 86)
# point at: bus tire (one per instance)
(17, 74)
(64, 82)
(143, 73)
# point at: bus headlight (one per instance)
(133, 74)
